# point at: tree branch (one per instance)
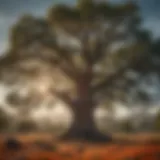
(106, 38)
(86, 53)
(66, 63)
(68, 71)
(109, 80)
(66, 55)
(62, 96)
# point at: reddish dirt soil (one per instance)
(44, 147)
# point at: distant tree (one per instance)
(157, 122)
(111, 43)
(126, 126)
(4, 121)
(26, 126)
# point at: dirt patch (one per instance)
(44, 148)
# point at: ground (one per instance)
(45, 147)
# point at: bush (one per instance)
(13, 144)
(45, 146)
(26, 126)
(4, 121)
(127, 126)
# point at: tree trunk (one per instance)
(84, 127)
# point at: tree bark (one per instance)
(84, 127)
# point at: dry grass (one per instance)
(139, 137)
(48, 149)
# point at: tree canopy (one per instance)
(110, 37)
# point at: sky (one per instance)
(11, 10)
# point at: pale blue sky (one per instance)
(11, 10)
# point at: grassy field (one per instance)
(45, 147)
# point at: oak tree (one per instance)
(93, 44)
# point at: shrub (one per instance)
(13, 144)
(26, 126)
(4, 121)
(45, 146)
(127, 126)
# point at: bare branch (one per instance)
(68, 71)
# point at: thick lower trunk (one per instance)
(83, 127)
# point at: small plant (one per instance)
(45, 146)
(13, 144)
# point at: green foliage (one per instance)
(128, 8)
(91, 9)
(104, 10)
(84, 3)
(62, 12)
(87, 12)
(86, 9)
(156, 47)
(29, 30)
